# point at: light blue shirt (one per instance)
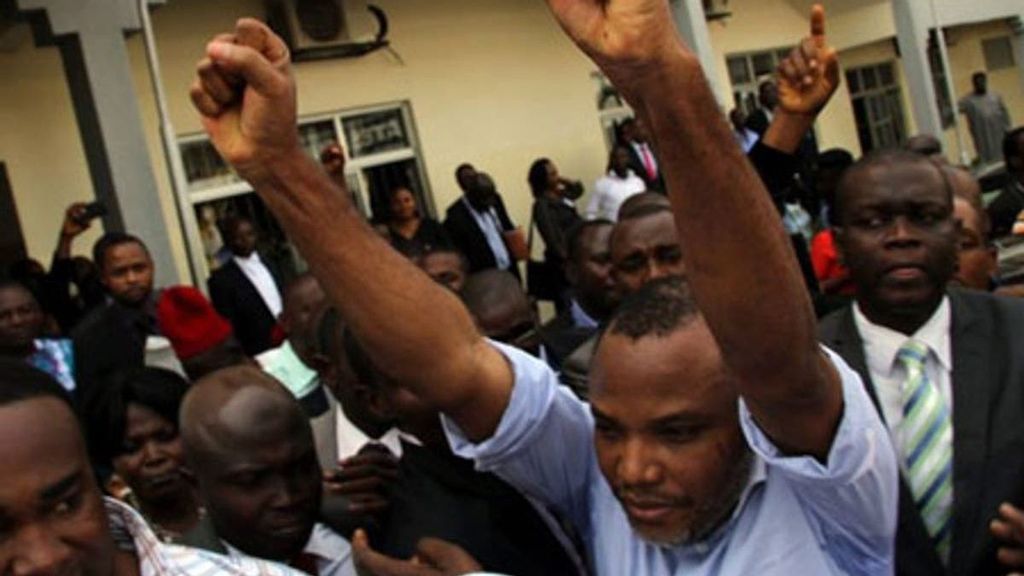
(797, 516)
(580, 317)
(490, 226)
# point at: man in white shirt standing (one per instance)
(245, 290)
(615, 187)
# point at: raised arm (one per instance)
(414, 330)
(741, 265)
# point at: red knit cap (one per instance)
(189, 321)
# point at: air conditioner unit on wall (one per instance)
(316, 29)
(716, 10)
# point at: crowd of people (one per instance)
(718, 393)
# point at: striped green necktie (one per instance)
(927, 447)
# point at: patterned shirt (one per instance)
(56, 358)
(132, 534)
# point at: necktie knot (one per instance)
(913, 354)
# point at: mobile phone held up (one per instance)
(92, 211)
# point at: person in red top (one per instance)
(833, 277)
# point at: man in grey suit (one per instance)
(944, 367)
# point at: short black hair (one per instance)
(888, 157)
(538, 177)
(642, 208)
(13, 284)
(105, 414)
(363, 368)
(574, 239)
(111, 240)
(658, 309)
(835, 159)
(1010, 146)
(19, 381)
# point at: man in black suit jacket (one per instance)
(634, 138)
(588, 270)
(112, 337)
(895, 231)
(1004, 210)
(479, 201)
(246, 290)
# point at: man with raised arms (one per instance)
(721, 438)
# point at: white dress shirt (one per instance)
(610, 192)
(332, 552)
(257, 273)
(881, 349)
(489, 224)
(351, 439)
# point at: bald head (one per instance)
(251, 449)
(925, 145)
(226, 410)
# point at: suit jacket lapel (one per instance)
(972, 384)
(915, 553)
(851, 348)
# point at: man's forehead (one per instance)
(40, 443)
(15, 295)
(643, 232)
(685, 365)
(895, 182)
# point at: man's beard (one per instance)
(709, 515)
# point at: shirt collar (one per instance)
(580, 317)
(473, 210)
(251, 259)
(350, 439)
(882, 345)
(322, 544)
(128, 529)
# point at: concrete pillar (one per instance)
(693, 26)
(912, 22)
(1017, 23)
(90, 35)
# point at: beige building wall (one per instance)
(492, 82)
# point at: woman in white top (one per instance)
(614, 187)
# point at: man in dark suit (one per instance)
(477, 222)
(642, 159)
(588, 270)
(768, 97)
(113, 336)
(1004, 210)
(944, 367)
(245, 290)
